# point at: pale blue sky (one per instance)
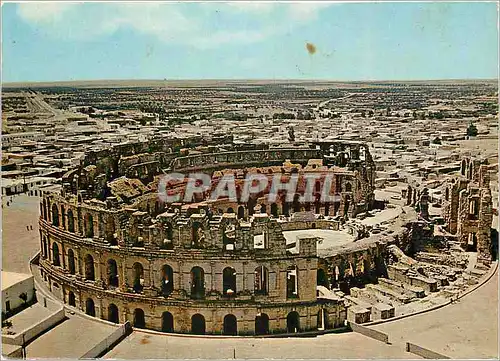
(354, 41)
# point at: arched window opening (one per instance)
(89, 226)
(198, 324)
(139, 318)
(138, 283)
(113, 315)
(167, 322)
(292, 282)
(472, 242)
(90, 307)
(447, 194)
(55, 216)
(241, 212)
(71, 299)
(274, 210)
(263, 208)
(112, 273)
(167, 280)
(296, 203)
(89, 268)
(473, 209)
(293, 322)
(229, 282)
(261, 280)
(45, 248)
(230, 325)
(63, 217)
(262, 324)
(230, 210)
(56, 261)
(348, 187)
(197, 283)
(71, 221)
(71, 262)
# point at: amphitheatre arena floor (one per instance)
(465, 329)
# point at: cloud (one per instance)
(42, 12)
(188, 24)
(306, 12)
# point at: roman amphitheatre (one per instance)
(110, 248)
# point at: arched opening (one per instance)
(241, 212)
(45, 248)
(44, 210)
(112, 273)
(113, 315)
(293, 322)
(321, 279)
(198, 324)
(322, 319)
(197, 235)
(63, 217)
(230, 325)
(296, 203)
(274, 210)
(139, 318)
(291, 282)
(55, 216)
(90, 307)
(89, 268)
(71, 262)
(327, 209)
(89, 226)
(71, 299)
(472, 243)
(261, 280)
(230, 210)
(262, 324)
(56, 261)
(473, 209)
(229, 281)
(286, 209)
(71, 221)
(263, 208)
(167, 322)
(167, 280)
(197, 282)
(138, 282)
(447, 194)
(348, 187)
(463, 167)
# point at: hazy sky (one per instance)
(353, 41)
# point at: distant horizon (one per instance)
(331, 41)
(288, 80)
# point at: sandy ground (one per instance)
(140, 345)
(18, 243)
(330, 238)
(465, 329)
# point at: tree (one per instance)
(471, 130)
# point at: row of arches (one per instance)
(59, 217)
(229, 274)
(198, 323)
